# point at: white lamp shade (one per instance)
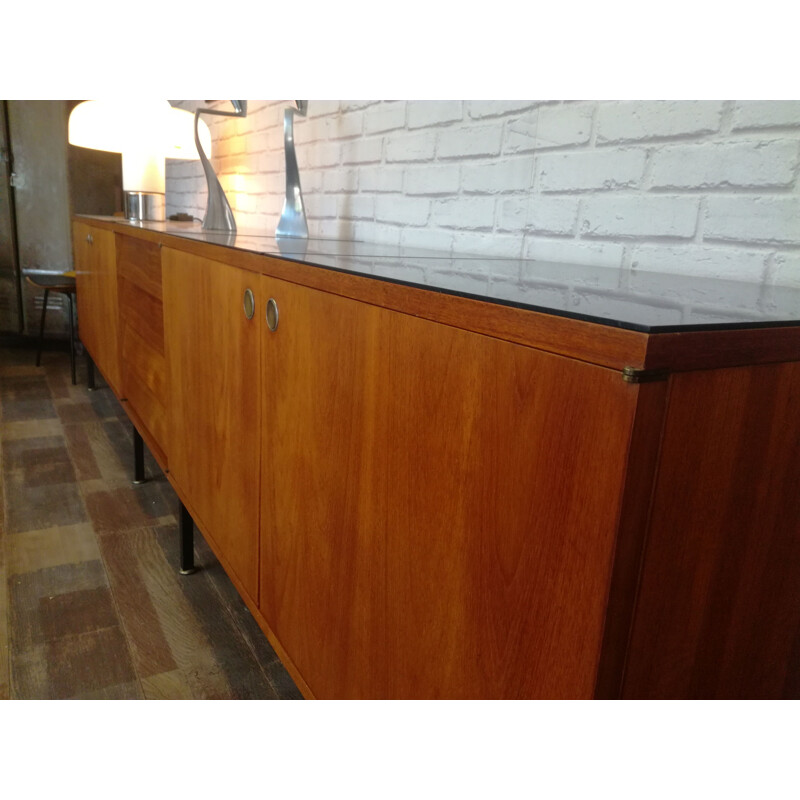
(145, 132)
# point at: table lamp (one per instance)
(145, 133)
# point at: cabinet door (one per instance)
(98, 311)
(213, 365)
(439, 507)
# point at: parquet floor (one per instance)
(91, 601)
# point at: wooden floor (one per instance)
(91, 601)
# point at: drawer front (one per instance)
(144, 373)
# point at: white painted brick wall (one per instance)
(468, 142)
(691, 187)
(753, 218)
(726, 164)
(591, 169)
(766, 114)
(618, 216)
(424, 114)
(635, 121)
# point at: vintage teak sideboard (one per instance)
(432, 477)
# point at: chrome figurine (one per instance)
(219, 216)
(293, 217)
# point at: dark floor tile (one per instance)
(282, 682)
(27, 590)
(156, 497)
(80, 451)
(75, 412)
(246, 649)
(15, 451)
(106, 405)
(16, 356)
(77, 612)
(120, 691)
(25, 397)
(29, 680)
(236, 607)
(58, 380)
(30, 508)
(202, 675)
(47, 466)
(40, 488)
(102, 453)
(120, 436)
(88, 662)
(243, 672)
(149, 648)
(116, 510)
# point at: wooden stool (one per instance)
(64, 283)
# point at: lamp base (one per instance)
(139, 206)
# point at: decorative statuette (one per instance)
(293, 217)
(219, 216)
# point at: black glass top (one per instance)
(637, 300)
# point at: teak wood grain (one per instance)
(213, 354)
(140, 263)
(718, 614)
(98, 310)
(643, 455)
(439, 508)
(691, 350)
(424, 495)
(142, 350)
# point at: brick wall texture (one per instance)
(700, 187)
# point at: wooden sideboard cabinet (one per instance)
(426, 494)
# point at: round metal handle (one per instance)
(249, 303)
(90, 238)
(272, 314)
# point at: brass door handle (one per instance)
(249, 303)
(272, 314)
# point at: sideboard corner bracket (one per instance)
(636, 375)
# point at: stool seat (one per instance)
(64, 283)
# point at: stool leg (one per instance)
(41, 328)
(71, 338)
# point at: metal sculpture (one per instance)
(293, 217)
(219, 216)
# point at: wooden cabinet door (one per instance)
(214, 414)
(98, 311)
(438, 507)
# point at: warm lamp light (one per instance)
(145, 135)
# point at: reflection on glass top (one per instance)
(638, 300)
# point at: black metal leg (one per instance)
(41, 328)
(71, 338)
(89, 372)
(138, 458)
(186, 532)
